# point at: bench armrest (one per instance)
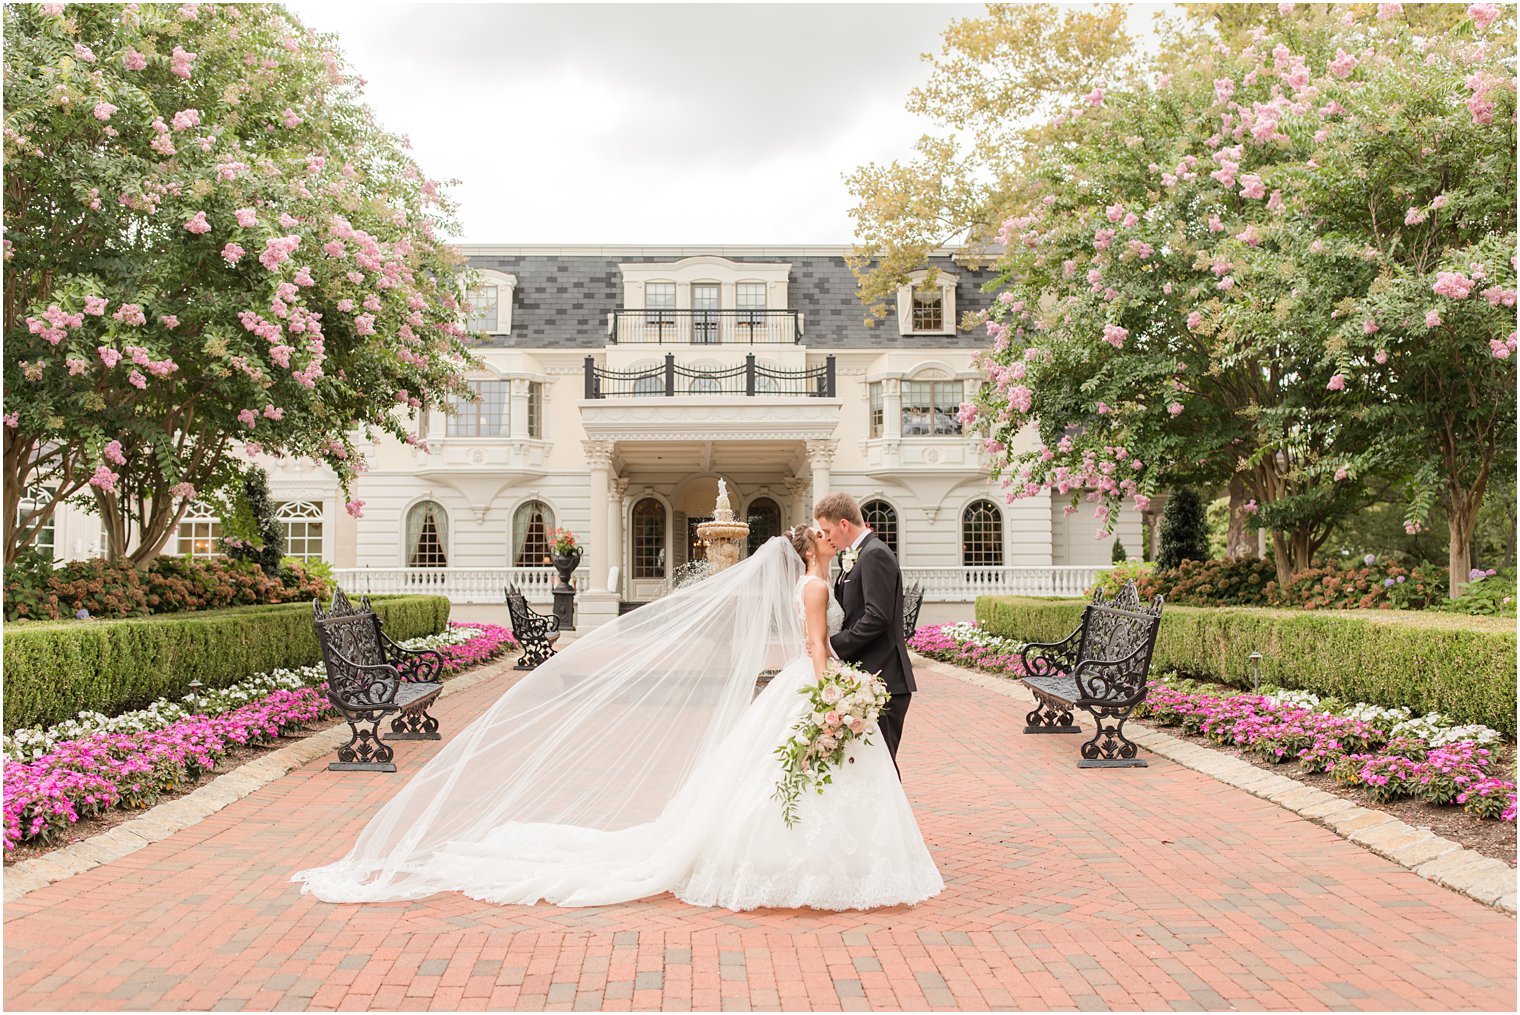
(360, 686)
(1047, 660)
(1115, 682)
(417, 666)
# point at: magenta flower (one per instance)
(1337, 383)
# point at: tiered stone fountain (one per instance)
(724, 536)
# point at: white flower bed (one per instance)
(1433, 728)
(964, 633)
(26, 745)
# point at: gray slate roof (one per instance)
(562, 301)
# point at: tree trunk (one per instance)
(1240, 541)
(1462, 519)
(1292, 552)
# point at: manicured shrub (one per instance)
(34, 590)
(1461, 667)
(271, 541)
(1184, 529)
(54, 670)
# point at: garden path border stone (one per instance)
(160, 822)
(1434, 858)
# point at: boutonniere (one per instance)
(847, 559)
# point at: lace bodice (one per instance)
(834, 614)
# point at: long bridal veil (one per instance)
(573, 785)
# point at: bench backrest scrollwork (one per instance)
(349, 635)
(1121, 628)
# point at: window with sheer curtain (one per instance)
(530, 534)
(427, 535)
(931, 408)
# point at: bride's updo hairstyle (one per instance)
(802, 540)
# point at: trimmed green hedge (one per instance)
(1462, 667)
(55, 669)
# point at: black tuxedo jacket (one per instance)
(872, 597)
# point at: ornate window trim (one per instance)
(946, 281)
(505, 285)
(308, 515)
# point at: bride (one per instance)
(635, 763)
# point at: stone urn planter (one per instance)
(565, 564)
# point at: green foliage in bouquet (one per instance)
(845, 706)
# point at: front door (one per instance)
(704, 313)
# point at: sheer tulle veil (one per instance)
(567, 786)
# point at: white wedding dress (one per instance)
(717, 838)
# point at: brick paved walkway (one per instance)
(1153, 888)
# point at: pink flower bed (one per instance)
(1355, 752)
(492, 641)
(83, 778)
(87, 777)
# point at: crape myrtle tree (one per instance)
(209, 241)
(1229, 273)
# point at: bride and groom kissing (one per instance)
(640, 761)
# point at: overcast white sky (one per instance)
(646, 123)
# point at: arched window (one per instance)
(33, 502)
(427, 535)
(649, 539)
(530, 534)
(300, 523)
(200, 532)
(982, 535)
(764, 521)
(706, 386)
(882, 518)
(649, 384)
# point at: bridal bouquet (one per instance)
(845, 704)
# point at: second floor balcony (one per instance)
(750, 378)
(658, 326)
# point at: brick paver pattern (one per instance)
(1154, 888)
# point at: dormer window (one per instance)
(927, 311)
(491, 302)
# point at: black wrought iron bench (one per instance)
(1101, 668)
(913, 602)
(370, 677)
(535, 632)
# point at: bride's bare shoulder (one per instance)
(814, 592)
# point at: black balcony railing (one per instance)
(704, 327)
(748, 379)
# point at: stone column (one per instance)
(821, 457)
(798, 512)
(598, 604)
(517, 408)
(617, 489)
(599, 457)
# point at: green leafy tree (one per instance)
(209, 242)
(1184, 529)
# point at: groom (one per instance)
(870, 589)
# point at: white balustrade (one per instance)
(459, 584)
(964, 584)
(488, 584)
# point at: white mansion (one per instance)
(617, 384)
